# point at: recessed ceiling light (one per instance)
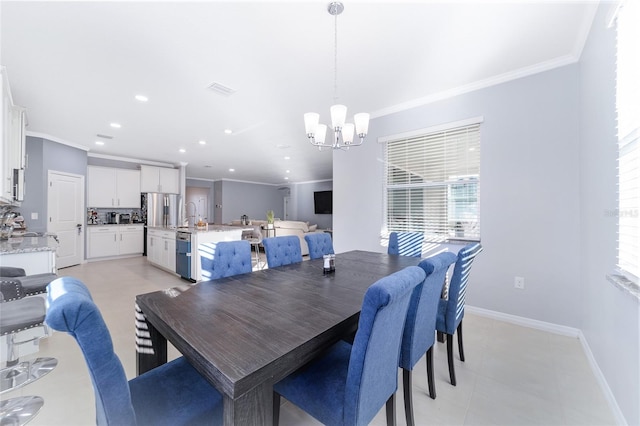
(228, 131)
(99, 143)
(288, 171)
(287, 158)
(116, 125)
(286, 178)
(232, 170)
(182, 150)
(202, 142)
(141, 98)
(283, 146)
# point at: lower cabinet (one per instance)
(115, 240)
(161, 248)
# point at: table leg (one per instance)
(253, 408)
(151, 346)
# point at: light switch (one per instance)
(34, 216)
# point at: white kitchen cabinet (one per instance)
(131, 239)
(109, 187)
(103, 241)
(115, 240)
(12, 164)
(161, 248)
(159, 179)
(33, 262)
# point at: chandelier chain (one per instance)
(335, 58)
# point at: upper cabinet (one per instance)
(109, 187)
(12, 132)
(159, 179)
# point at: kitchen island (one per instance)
(36, 255)
(176, 250)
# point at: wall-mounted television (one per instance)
(323, 202)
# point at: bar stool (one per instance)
(20, 315)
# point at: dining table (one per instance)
(246, 332)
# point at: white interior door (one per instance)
(66, 216)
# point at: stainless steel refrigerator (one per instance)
(163, 210)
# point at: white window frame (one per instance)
(628, 139)
(471, 232)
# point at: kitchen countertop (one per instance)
(115, 224)
(212, 228)
(27, 245)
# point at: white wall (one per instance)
(610, 317)
(529, 192)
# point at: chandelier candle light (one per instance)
(343, 132)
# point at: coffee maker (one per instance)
(112, 217)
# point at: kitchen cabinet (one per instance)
(115, 240)
(161, 248)
(13, 162)
(159, 179)
(109, 187)
(131, 239)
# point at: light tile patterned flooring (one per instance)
(512, 375)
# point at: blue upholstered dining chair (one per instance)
(171, 394)
(451, 309)
(282, 250)
(420, 327)
(406, 243)
(319, 244)
(349, 384)
(224, 259)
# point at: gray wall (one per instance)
(529, 192)
(304, 204)
(252, 199)
(610, 317)
(44, 155)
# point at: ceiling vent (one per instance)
(221, 89)
(104, 136)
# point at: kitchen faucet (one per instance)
(193, 222)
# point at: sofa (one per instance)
(283, 227)
(297, 228)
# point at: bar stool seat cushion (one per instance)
(22, 314)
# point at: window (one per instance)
(628, 110)
(432, 182)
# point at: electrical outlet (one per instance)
(519, 283)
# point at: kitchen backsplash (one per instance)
(100, 216)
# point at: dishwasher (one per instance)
(183, 255)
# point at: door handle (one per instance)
(79, 227)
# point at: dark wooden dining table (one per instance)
(244, 333)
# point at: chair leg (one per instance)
(391, 410)
(452, 372)
(276, 408)
(430, 381)
(440, 336)
(408, 396)
(460, 349)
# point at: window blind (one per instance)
(628, 111)
(433, 184)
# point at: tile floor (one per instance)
(512, 376)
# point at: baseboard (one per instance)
(525, 322)
(565, 331)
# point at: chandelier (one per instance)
(343, 132)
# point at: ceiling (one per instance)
(77, 66)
